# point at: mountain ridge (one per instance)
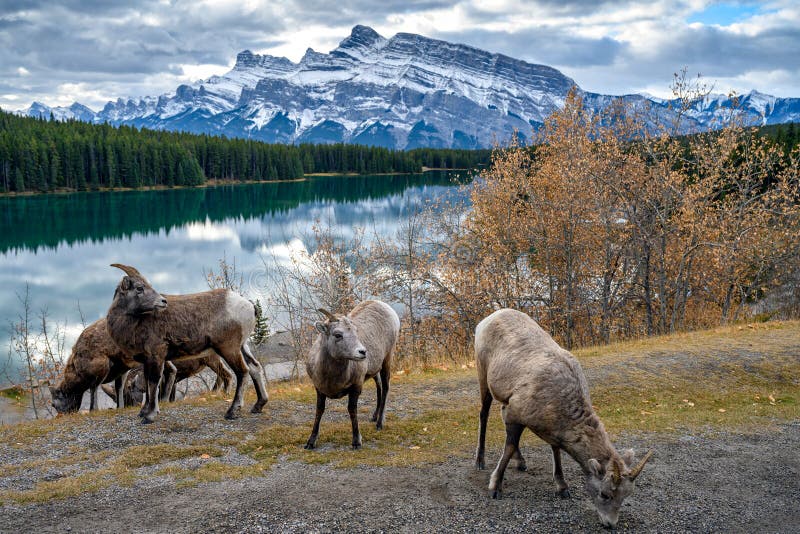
(404, 92)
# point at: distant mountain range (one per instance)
(404, 92)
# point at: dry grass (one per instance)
(741, 378)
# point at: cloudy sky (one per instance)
(91, 51)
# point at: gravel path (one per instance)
(724, 483)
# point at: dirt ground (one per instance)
(724, 483)
(699, 480)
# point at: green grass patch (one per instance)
(145, 455)
(14, 393)
(62, 488)
(211, 471)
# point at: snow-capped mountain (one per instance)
(404, 92)
(75, 111)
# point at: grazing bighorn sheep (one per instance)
(542, 387)
(136, 385)
(153, 329)
(349, 350)
(95, 360)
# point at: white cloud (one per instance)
(94, 51)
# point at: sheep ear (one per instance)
(321, 327)
(595, 468)
(628, 457)
(126, 283)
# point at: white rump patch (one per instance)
(241, 310)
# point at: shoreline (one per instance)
(214, 182)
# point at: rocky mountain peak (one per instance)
(403, 92)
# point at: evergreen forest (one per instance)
(43, 155)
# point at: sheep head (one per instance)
(135, 295)
(340, 337)
(64, 402)
(608, 485)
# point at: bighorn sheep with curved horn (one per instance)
(153, 329)
(542, 387)
(349, 350)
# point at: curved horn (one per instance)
(638, 469)
(130, 271)
(616, 472)
(327, 314)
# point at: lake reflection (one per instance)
(62, 245)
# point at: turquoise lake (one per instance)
(61, 245)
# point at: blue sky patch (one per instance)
(724, 14)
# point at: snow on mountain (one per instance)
(407, 91)
(75, 111)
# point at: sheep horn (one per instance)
(616, 472)
(638, 469)
(328, 314)
(130, 271)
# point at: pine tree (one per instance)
(261, 331)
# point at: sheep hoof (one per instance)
(310, 446)
(522, 467)
(233, 414)
(374, 417)
(480, 464)
(564, 493)
(379, 425)
(356, 446)
(496, 494)
(258, 407)
(148, 419)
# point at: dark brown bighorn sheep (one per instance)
(349, 350)
(153, 329)
(95, 360)
(136, 386)
(542, 387)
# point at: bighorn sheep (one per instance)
(153, 329)
(542, 387)
(349, 350)
(95, 360)
(136, 385)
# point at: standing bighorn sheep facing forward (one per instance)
(542, 387)
(153, 328)
(349, 350)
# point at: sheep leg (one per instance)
(153, 373)
(385, 375)
(223, 377)
(520, 461)
(352, 409)
(486, 404)
(119, 385)
(259, 378)
(312, 439)
(92, 398)
(167, 392)
(558, 474)
(379, 394)
(513, 433)
(238, 397)
(236, 361)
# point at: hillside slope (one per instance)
(720, 408)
